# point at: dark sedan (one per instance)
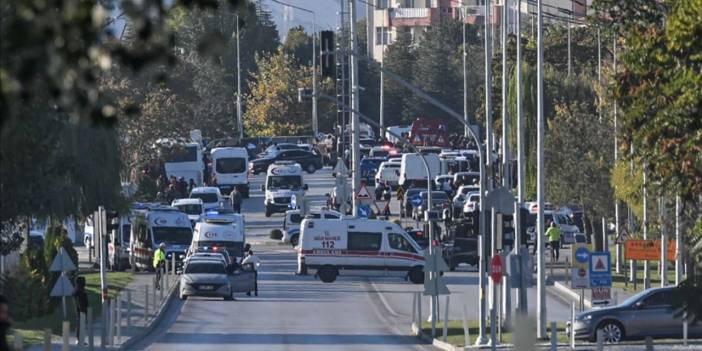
(307, 160)
(648, 313)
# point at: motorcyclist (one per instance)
(159, 263)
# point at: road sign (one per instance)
(434, 263)
(416, 200)
(581, 255)
(364, 211)
(647, 250)
(382, 206)
(340, 168)
(600, 269)
(580, 278)
(364, 196)
(63, 287)
(496, 269)
(62, 262)
(601, 295)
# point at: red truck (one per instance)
(429, 132)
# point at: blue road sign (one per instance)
(582, 254)
(416, 200)
(600, 269)
(364, 211)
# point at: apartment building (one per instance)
(387, 16)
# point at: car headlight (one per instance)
(181, 256)
(586, 317)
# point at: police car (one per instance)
(330, 246)
(284, 187)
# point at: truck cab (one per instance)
(153, 224)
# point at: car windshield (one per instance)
(469, 178)
(173, 235)
(194, 209)
(179, 153)
(563, 219)
(207, 198)
(231, 165)
(284, 182)
(380, 153)
(435, 195)
(204, 268)
(234, 248)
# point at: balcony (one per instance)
(418, 16)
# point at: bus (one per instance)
(429, 132)
(182, 159)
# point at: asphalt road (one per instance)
(301, 313)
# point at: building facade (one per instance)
(385, 17)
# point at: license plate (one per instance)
(206, 287)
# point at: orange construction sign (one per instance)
(647, 250)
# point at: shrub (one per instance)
(276, 234)
(26, 291)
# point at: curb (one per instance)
(154, 321)
(571, 294)
(433, 341)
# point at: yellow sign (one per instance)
(647, 250)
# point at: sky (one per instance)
(326, 12)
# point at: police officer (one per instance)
(159, 263)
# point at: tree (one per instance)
(273, 107)
(298, 44)
(400, 58)
(578, 163)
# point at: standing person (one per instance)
(554, 238)
(236, 199)
(159, 263)
(379, 189)
(191, 185)
(80, 298)
(255, 264)
(4, 323)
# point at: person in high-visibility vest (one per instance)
(159, 263)
(554, 238)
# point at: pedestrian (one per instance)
(159, 263)
(379, 189)
(236, 199)
(554, 238)
(5, 323)
(255, 264)
(183, 186)
(446, 187)
(191, 185)
(80, 299)
(330, 201)
(387, 193)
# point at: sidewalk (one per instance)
(134, 319)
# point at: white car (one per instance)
(211, 197)
(459, 198)
(472, 202)
(388, 172)
(193, 207)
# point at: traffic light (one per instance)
(327, 53)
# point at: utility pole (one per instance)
(541, 284)
(678, 243)
(355, 150)
(315, 121)
(618, 247)
(505, 173)
(465, 76)
(487, 180)
(521, 296)
(647, 273)
(239, 120)
(382, 79)
(662, 214)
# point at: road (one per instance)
(301, 313)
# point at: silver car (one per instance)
(206, 278)
(648, 313)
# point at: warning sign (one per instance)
(647, 250)
(364, 196)
(601, 294)
(600, 269)
(382, 207)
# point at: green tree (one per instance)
(299, 45)
(400, 58)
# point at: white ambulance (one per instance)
(330, 246)
(230, 168)
(153, 224)
(219, 232)
(284, 188)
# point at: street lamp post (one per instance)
(315, 122)
(239, 119)
(541, 284)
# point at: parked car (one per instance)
(307, 160)
(459, 198)
(407, 200)
(471, 202)
(648, 313)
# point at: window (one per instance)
(231, 165)
(399, 242)
(173, 235)
(381, 4)
(364, 241)
(331, 216)
(204, 268)
(284, 182)
(207, 198)
(295, 218)
(382, 36)
(193, 209)
(179, 153)
(659, 299)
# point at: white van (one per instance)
(284, 188)
(192, 207)
(153, 224)
(230, 168)
(329, 246)
(211, 197)
(219, 232)
(118, 246)
(293, 218)
(388, 172)
(412, 169)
